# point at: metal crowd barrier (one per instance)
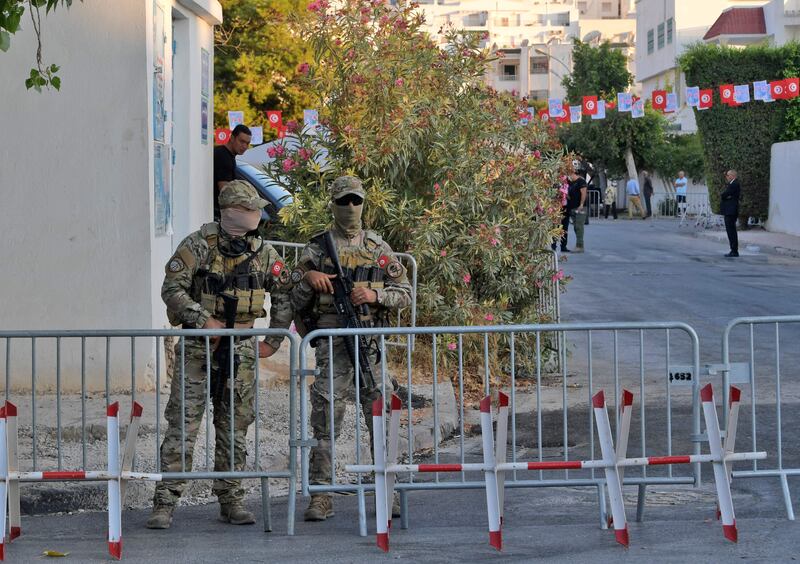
(666, 205)
(554, 392)
(285, 248)
(771, 363)
(79, 362)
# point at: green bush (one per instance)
(451, 175)
(741, 137)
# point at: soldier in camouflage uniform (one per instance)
(225, 258)
(312, 294)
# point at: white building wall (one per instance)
(77, 182)
(784, 205)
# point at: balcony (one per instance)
(508, 78)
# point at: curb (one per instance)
(764, 249)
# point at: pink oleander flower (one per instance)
(399, 82)
(494, 242)
(537, 154)
(314, 6)
(451, 346)
(442, 253)
(304, 154)
(303, 68)
(497, 230)
(291, 126)
(271, 152)
(280, 150)
(489, 317)
(467, 279)
(289, 165)
(558, 276)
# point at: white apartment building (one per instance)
(665, 28)
(535, 36)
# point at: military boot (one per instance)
(161, 517)
(320, 508)
(235, 514)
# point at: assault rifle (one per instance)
(348, 316)
(222, 354)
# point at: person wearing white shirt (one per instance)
(632, 189)
(680, 191)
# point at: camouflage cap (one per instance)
(345, 185)
(240, 193)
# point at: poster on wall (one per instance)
(205, 72)
(162, 208)
(159, 39)
(204, 120)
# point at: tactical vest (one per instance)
(241, 276)
(360, 263)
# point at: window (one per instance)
(670, 25)
(509, 72)
(538, 95)
(582, 7)
(650, 42)
(660, 36)
(539, 65)
(606, 6)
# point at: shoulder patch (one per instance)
(383, 261)
(176, 265)
(284, 276)
(394, 269)
(297, 275)
(186, 256)
(277, 268)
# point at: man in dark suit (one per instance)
(729, 208)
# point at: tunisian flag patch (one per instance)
(383, 261)
(277, 267)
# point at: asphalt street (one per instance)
(632, 271)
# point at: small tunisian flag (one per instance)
(792, 86)
(726, 94)
(706, 99)
(659, 99)
(274, 118)
(589, 105)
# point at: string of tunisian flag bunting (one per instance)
(667, 102)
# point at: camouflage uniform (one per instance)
(202, 268)
(367, 249)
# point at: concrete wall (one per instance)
(784, 205)
(76, 173)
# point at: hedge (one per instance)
(741, 137)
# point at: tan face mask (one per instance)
(348, 218)
(237, 223)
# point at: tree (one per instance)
(255, 61)
(619, 142)
(11, 12)
(451, 175)
(742, 137)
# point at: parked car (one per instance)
(277, 196)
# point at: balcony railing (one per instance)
(508, 77)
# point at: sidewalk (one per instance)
(767, 242)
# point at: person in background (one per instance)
(576, 205)
(680, 191)
(225, 160)
(632, 189)
(729, 208)
(647, 192)
(610, 199)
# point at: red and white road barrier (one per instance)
(386, 468)
(490, 474)
(379, 456)
(613, 461)
(116, 474)
(114, 497)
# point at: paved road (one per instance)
(633, 271)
